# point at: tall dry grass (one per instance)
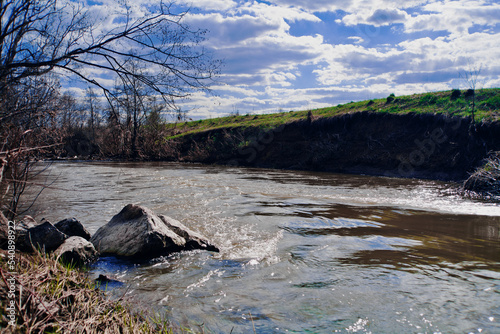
(54, 298)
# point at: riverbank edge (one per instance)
(40, 294)
(430, 146)
(411, 145)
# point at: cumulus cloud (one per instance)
(210, 5)
(228, 31)
(456, 17)
(347, 6)
(255, 43)
(377, 18)
(278, 12)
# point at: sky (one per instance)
(283, 55)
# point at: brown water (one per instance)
(301, 252)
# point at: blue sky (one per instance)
(283, 55)
(298, 54)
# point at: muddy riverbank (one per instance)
(409, 145)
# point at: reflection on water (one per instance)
(300, 251)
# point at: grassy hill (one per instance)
(455, 103)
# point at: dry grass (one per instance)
(486, 180)
(53, 298)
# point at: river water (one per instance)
(301, 252)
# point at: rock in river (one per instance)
(193, 239)
(138, 232)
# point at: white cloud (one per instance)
(255, 44)
(356, 39)
(210, 5)
(239, 90)
(228, 31)
(347, 6)
(457, 17)
(278, 12)
(377, 18)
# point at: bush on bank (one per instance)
(486, 179)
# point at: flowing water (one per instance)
(301, 252)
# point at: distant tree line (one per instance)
(155, 60)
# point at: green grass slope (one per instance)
(487, 108)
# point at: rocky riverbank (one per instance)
(135, 232)
(40, 292)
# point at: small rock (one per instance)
(104, 282)
(76, 250)
(27, 222)
(22, 238)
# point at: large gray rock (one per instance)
(193, 239)
(137, 232)
(73, 228)
(76, 250)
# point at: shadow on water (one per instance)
(413, 237)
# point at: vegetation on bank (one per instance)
(454, 102)
(50, 297)
(486, 179)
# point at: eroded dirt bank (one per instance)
(410, 145)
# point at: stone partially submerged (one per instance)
(31, 235)
(138, 232)
(193, 239)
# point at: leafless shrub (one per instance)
(486, 180)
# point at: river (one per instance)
(301, 252)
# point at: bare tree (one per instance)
(42, 37)
(28, 114)
(135, 98)
(38, 37)
(471, 76)
(93, 116)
